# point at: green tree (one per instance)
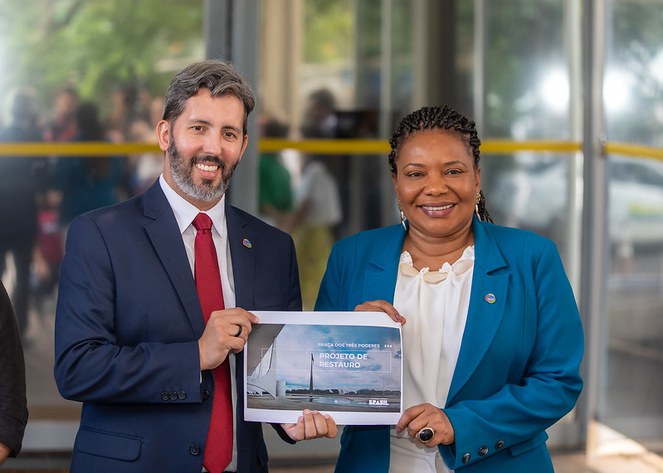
(95, 44)
(328, 29)
(633, 50)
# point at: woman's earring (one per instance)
(477, 200)
(403, 219)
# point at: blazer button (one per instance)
(205, 395)
(499, 445)
(165, 396)
(466, 458)
(483, 451)
(173, 396)
(181, 395)
(194, 449)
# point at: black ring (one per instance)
(425, 435)
(239, 332)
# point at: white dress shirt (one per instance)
(435, 305)
(185, 212)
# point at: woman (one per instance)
(493, 339)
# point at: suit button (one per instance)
(173, 396)
(165, 396)
(466, 458)
(205, 394)
(499, 445)
(483, 451)
(194, 449)
(181, 395)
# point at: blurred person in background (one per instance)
(62, 125)
(48, 253)
(13, 401)
(317, 211)
(121, 115)
(318, 207)
(146, 167)
(275, 199)
(24, 178)
(493, 340)
(87, 183)
(320, 121)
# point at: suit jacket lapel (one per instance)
(244, 268)
(483, 316)
(382, 270)
(165, 236)
(243, 261)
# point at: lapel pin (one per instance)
(490, 298)
(247, 243)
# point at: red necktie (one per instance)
(219, 447)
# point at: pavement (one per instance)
(564, 462)
(618, 456)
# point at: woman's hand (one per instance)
(381, 306)
(429, 416)
(311, 425)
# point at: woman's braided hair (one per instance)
(439, 118)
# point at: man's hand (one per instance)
(311, 425)
(226, 331)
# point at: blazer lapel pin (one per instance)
(490, 298)
(247, 243)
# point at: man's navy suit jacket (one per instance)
(127, 326)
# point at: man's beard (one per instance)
(180, 169)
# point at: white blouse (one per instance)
(435, 304)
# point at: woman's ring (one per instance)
(425, 435)
(239, 332)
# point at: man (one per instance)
(13, 403)
(131, 341)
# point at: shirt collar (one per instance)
(185, 211)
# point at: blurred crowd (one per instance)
(40, 195)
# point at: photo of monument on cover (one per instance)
(349, 366)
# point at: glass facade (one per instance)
(349, 70)
(631, 395)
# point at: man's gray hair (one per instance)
(220, 77)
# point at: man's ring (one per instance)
(239, 332)
(425, 435)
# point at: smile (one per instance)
(207, 167)
(431, 208)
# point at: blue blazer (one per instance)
(127, 325)
(518, 368)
